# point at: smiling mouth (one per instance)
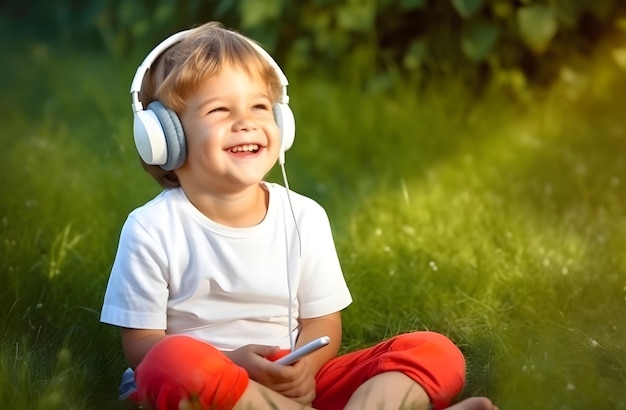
(244, 148)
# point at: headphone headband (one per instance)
(135, 86)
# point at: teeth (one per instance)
(245, 148)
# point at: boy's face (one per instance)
(232, 138)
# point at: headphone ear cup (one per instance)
(286, 124)
(149, 138)
(174, 136)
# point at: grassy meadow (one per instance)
(498, 220)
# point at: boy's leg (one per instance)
(394, 390)
(429, 360)
(183, 372)
(389, 390)
(259, 397)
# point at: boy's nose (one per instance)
(244, 122)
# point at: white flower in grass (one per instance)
(593, 342)
(433, 265)
(378, 232)
(570, 386)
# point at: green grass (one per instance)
(497, 221)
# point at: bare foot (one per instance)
(474, 403)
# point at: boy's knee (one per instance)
(446, 349)
(435, 345)
(183, 369)
(440, 363)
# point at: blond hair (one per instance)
(178, 72)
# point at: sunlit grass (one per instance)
(501, 224)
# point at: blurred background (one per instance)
(371, 42)
(470, 155)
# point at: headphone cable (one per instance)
(293, 214)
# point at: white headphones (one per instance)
(158, 132)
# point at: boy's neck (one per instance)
(237, 210)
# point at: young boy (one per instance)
(221, 272)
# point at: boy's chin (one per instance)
(242, 182)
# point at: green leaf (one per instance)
(164, 11)
(537, 25)
(478, 40)
(224, 7)
(415, 55)
(568, 11)
(502, 9)
(406, 5)
(466, 8)
(256, 12)
(356, 17)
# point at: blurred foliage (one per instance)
(372, 42)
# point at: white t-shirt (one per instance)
(177, 270)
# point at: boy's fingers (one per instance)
(277, 354)
(263, 350)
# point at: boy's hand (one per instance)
(295, 381)
(252, 358)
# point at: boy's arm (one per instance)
(137, 342)
(310, 329)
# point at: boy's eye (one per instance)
(217, 109)
(261, 107)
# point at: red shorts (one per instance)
(182, 368)
(429, 358)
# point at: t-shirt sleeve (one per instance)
(322, 289)
(137, 291)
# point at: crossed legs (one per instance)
(416, 371)
(391, 390)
